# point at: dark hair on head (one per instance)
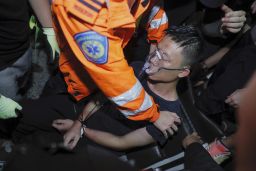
(189, 39)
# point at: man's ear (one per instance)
(184, 73)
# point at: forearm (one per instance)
(42, 10)
(133, 139)
(215, 58)
(137, 138)
(105, 139)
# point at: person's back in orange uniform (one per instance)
(92, 35)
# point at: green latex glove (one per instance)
(8, 107)
(51, 39)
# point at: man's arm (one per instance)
(42, 10)
(200, 69)
(137, 138)
(216, 57)
(157, 23)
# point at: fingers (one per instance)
(70, 141)
(67, 140)
(19, 107)
(59, 127)
(225, 8)
(174, 127)
(235, 14)
(167, 123)
(232, 102)
(228, 100)
(232, 30)
(253, 7)
(170, 131)
(176, 118)
(62, 124)
(73, 143)
(194, 134)
(233, 20)
(238, 25)
(165, 134)
(58, 122)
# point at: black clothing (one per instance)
(230, 74)
(29, 157)
(14, 30)
(198, 159)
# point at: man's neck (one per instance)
(166, 91)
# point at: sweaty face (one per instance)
(167, 55)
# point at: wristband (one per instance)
(82, 130)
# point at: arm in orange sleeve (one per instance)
(100, 51)
(157, 23)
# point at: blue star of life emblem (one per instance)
(94, 46)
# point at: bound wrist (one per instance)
(78, 123)
(82, 130)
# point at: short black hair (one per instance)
(187, 37)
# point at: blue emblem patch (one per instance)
(94, 46)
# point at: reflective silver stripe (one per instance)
(129, 95)
(166, 161)
(153, 12)
(176, 168)
(147, 103)
(154, 24)
(107, 2)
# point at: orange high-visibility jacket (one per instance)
(91, 36)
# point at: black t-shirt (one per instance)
(14, 30)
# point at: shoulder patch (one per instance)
(93, 45)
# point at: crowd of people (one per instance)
(115, 90)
